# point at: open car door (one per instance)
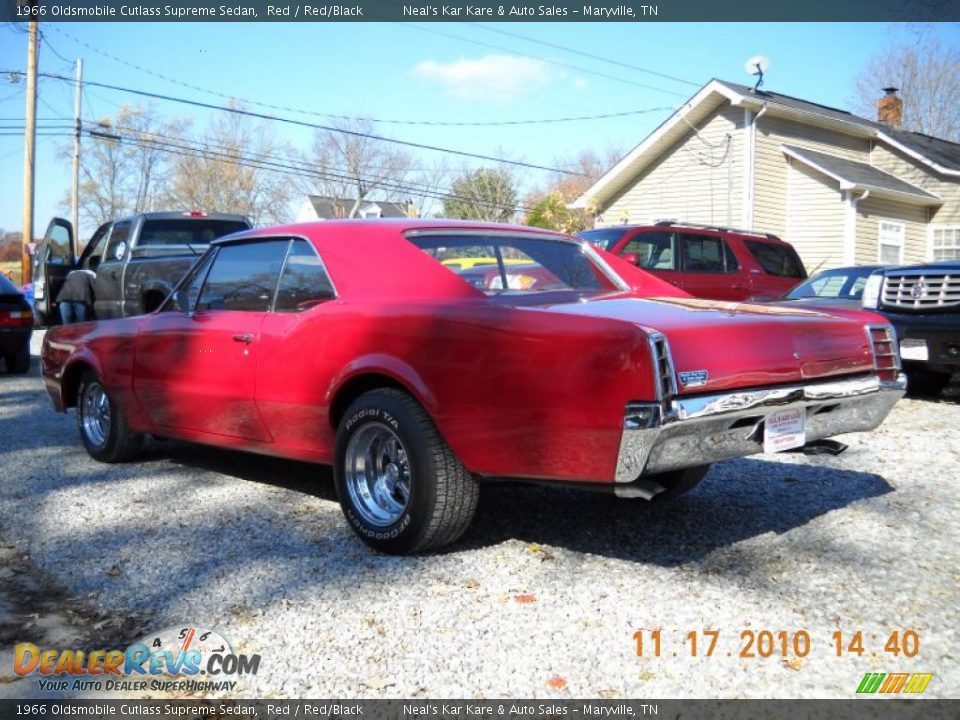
(52, 261)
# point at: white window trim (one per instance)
(903, 237)
(930, 232)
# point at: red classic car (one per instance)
(351, 343)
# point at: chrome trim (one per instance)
(891, 334)
(656, 340)
(708, 428)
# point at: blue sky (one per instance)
(407, 71)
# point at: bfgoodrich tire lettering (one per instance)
(104, 430)
(423, 497)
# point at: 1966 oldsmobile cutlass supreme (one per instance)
(352, 343)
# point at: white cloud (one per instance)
(493, 78)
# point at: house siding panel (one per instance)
(770, 180)
(869, 214)
(695, 180)
(906, 168)
(815, 217)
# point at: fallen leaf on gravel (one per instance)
(115, 571)
(471, 583)
(525, 599)
(557, 683)
(793, 663)
(609, 694)
(646, 675)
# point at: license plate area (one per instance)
(914, 349)
(785, 430)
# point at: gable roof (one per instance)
(331, 208)
(940, 155)
(854, 175)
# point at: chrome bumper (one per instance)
(684, 432)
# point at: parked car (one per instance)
(707, 262)
(923, 303)
(16, 326)
(837, 287)
(137, 259)
(350, 343)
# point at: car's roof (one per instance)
(374, 258)
(716, 230)
(171, 215)
(848, 268)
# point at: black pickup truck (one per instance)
(923, 303)
(137, 259)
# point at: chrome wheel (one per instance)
(95, 411)
(377, 474)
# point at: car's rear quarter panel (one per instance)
(515, 392)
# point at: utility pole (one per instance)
(30, 152)
(75, 191)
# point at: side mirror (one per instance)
(632, 258)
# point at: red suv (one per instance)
(707, 261)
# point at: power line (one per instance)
(244, 161)
(315, 126)
(585, 54)
(567, 66)
(385, 121)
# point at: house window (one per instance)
(946, 243)
(891, 242)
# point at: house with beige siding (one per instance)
(842, 189)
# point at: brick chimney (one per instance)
(890, 108)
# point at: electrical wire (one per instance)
(315, 126)
(384, 121)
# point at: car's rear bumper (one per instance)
(689, 431)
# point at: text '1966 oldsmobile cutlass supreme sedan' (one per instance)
(359, 344)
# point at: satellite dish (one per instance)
(757, 66)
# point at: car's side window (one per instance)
(703, 254)
(304, 281)
(99, 242)
(243, 276)
(654, 250)
(117, 245)
(184, 297)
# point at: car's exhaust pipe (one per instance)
(822, 447)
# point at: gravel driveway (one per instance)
(540, 599)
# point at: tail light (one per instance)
(883, 345)
(16, 318)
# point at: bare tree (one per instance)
(927, 72)
(120, 171)
(223, 173)
(352, 165)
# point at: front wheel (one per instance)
(399, 484)
(104, 430)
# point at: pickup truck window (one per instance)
(59, 246)
(188, 231)
(243, 276)
(117, 246)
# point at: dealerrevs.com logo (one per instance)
(187, 659)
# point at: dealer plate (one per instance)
(785, 430)
(914, 349)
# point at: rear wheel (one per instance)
(104, 430)
(400, 486)
(18, 363)
(926, 383)
(679, 482)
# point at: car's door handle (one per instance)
(244, 337)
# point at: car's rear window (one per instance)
(605, 238)
(187, 231)
(777, 259)
(520, 264)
